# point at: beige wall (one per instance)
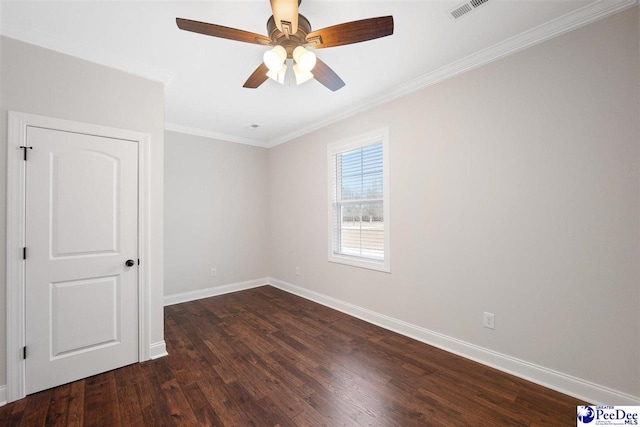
(216, 213)
(515, 189)
(39, 81)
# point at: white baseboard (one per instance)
(158, 350)
(554, 380)
(212, 292)
(549, 378)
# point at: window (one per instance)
(359, 201)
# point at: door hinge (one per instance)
(138, 261)
(24, 352)
(24, 253)
(25, 148)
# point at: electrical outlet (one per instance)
(214, 273)
(297, 271)
(488, 320)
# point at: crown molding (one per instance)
(583, 16)
(578, 18)
(88, 53)
(587, 14)
(174, 127)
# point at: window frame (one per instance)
(354, 143)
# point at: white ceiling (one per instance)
(204, 75)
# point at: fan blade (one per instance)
(256, 78)
(221, 32)
(351, 32)
(325, 75)
(285, 14)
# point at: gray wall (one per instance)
(216, 213)
(515, 189)
(40, 81)
(525, 175)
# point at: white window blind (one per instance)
(359, 232)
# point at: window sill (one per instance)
(382, 266)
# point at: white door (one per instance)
(81, 228)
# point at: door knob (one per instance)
(129, 263)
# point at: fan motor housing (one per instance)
(291, 41)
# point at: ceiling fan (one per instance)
(290, 34)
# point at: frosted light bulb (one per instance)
(301, 75)
(278, 75)
(274, 58)
(306, 60)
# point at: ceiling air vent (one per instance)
(466, 7)
(476, 3)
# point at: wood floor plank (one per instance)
(11, 415)
(181, 412)
(101, 401)
(130, 409)
(75, 417)
(200, 406)
(311, 418)
(264, 412)
(263, 357)
(225, 409)
(155, 410)
(35, 413)
(58, 406)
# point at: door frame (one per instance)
(15, 265)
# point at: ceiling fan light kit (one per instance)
(301, 75)
(306, 60)
(278, 74)
(290, 34)
(274, 58)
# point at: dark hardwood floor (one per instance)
(264, 357)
